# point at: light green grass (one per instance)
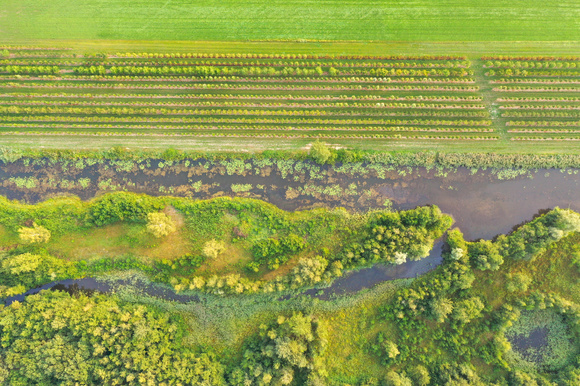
(257, 144)
(419, 20)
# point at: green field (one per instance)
(414, 21)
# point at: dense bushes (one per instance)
(21, 270)
(410, 232)
(121, 207)
(532, 239)
(287, 352)
(274, 252)
(54, 338)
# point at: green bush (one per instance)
(121, 207)
(54, 338)
(287, 352)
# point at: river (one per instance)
(482, 206)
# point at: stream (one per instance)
(481, 205)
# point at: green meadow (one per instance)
(391, 20)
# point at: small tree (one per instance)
(321, 153)
(518, 282)
(160, 224)
(440, 308)
(420, 375)
(400, 258)
(213, 248)
(26, 262)
(36, 234)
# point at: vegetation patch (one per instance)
(541, 340)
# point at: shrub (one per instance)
(34, 235)
(121, 206)
(27, 262)
(321, 153)
(160, 224)
(212, 249)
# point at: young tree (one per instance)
(440, 308)
(160, 224)
(27, 262)
(34, 235)
(212, 249)
(321, 153)
(391, 349)
(420, 375)
(518, 282)
(466, 310)
(396, 379)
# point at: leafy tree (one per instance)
(213, 248)
(518, 282)
(160, 224)
(287, 352)
(395, 379)
(391, 349)
(440, 308)
(308, 272)
(321, 153)
(456, 374)
(521, 378)
(484, 255)
(34, 235)
(467, 309)
(420, 375)
(400, 258)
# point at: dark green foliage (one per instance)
(451, 374)
(274, 252)
(410, 232)
(484, 255)
(121, 207)
(54, 339)
(287, 352)
(532, 239)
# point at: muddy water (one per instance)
(482, 205)
(368, 277)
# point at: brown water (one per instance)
(482, 205)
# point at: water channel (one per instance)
(482, 206)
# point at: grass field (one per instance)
(418, 20)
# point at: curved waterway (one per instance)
(481, 205)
